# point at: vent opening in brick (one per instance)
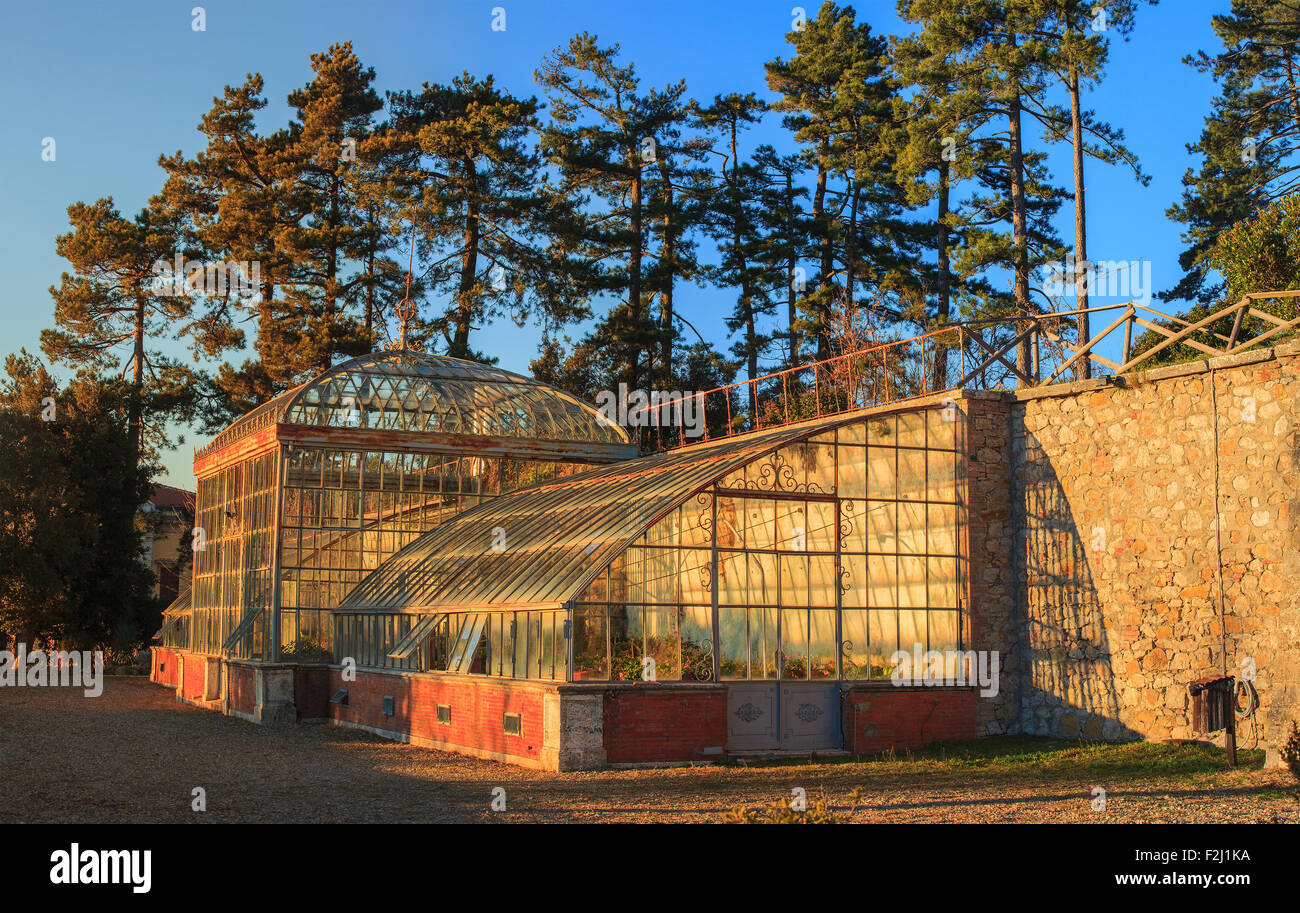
(388, 705)
(444, 714)
(513, 723)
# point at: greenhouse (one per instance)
(303, 496)
(454, 555)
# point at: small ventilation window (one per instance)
(444, 714)
(340, 697)
(513, 723)
(388, 705)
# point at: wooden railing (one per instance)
(1014, 351)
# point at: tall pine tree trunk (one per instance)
(827, 264)
(1082, 367)
(468, 273)
(669, 264)
(634, 279)
(791, 295)
(1019, 226)
(135, 416)
(943, 310)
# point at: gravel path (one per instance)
(135, 755)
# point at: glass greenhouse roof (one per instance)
(416, 392)
(557, 536)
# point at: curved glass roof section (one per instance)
(419, 392)
(540, 546)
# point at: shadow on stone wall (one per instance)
(1068, 686)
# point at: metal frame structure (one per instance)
(301, 497)
(865, 514)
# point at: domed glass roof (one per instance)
(437, 394)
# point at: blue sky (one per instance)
(116, 85)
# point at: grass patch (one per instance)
(1039, 757)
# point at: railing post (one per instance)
(1128, 333)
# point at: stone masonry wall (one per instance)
(990, 571)
(1126, 590)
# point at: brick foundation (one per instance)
(880, 718)
(477, 711)
(660, 724)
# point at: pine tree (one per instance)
(735, 222)
(121, 297)
(1248, 145)
(998, 66)
(1080, 50)
(783, 242)
(325, 231)
(466, 178)
(838, 99)
(602, 137)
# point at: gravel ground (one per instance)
(135, 755)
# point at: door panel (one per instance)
(751, 717)
(810, 715)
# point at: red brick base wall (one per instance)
(476, 712)
(645, 726)
(243, 684)
(196, 671)
(877, 720)
(164, 667)
(311, 692)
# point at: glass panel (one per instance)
(821, 580)
(733, 646)
(854, 653)
(943, 582)
(943, 475)
(794, 644)
(762, 579)
(855, 433)
(882, 639)
(821, 526)
(695, 582)
(821, 468)
(911, 581)
(495, 626)
(883, 430)
(942, 427)
(791, 526)
(590, 659)
(548, 644)
(911, 527)
(821, 644)
(626, 642)
(731, 523)
(697, 644)
(942, 529)
(853, 526)
(852, 472)
(943, 631)
(882, 581)
(661, 643)
(911, 475)
(521, 645)
(911, 429)
(882, 476)
(763, 646)
(697, 521)
(760, 523)
(911, 630)
(853, 573)
(732, 589)
(794, 580)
